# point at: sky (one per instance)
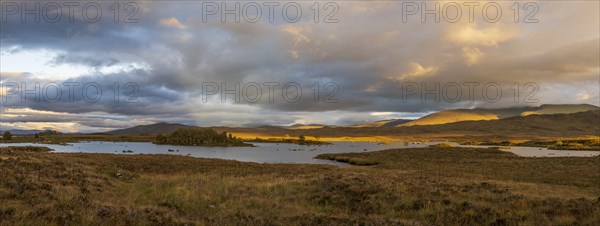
(335, 63)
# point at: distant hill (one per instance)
(450, 116)
(21, 131)
(560, 109)
(554, 125)
(546, 120)
(574, 124)
(302, 126)
(151, 129)
(478, 114)
(384, 123)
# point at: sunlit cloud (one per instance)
(172, 22)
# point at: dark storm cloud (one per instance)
(94, 93)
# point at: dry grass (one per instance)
(409, 187)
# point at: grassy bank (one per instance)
(442, 186)
(591, 143)
(74, 138)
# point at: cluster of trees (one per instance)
(47, 133)
(7, 136)
(303, 141)
(199, 137)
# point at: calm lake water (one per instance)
(271, 152)
(262, 153)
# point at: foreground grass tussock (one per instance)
(406, 187)
(12, 149)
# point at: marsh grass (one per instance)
(430, 186)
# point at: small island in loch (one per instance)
(300, 141)
(200, 137)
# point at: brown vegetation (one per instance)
(431, 186)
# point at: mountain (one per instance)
(302, 126)
(551, 125)
(479, 114)
(567, 125)
(560, 109)
(558, 125)
(546, 120)
(384, 123)
(450, 116)
(21, 131)
(151, 129)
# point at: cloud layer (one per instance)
(370, 61)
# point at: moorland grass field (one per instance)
(426, 186)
